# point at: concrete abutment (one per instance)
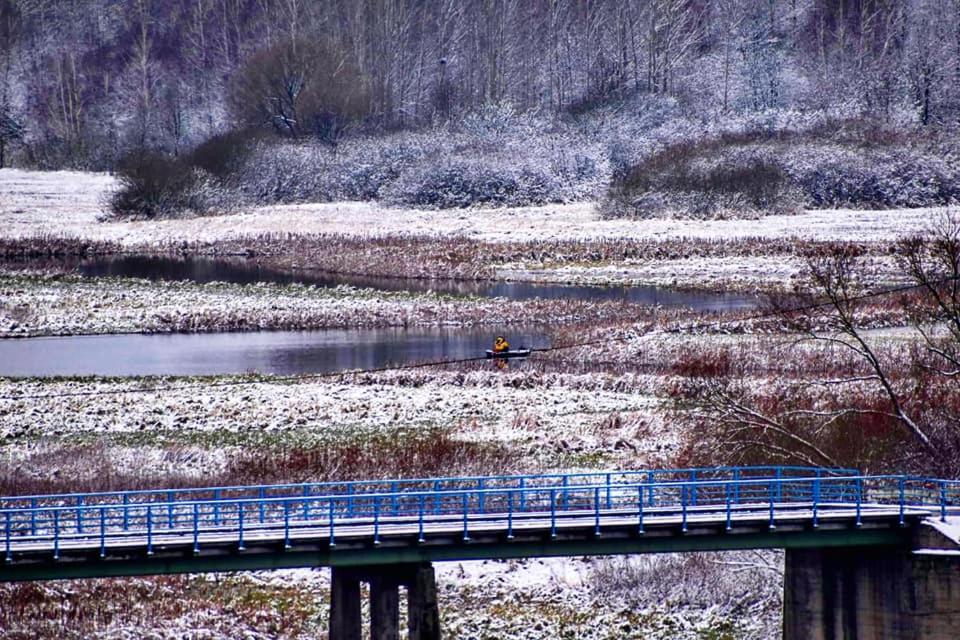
(871, 593)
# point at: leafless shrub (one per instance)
(895, 408)
(736, 581)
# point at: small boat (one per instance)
(510, 353)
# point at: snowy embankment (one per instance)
(35, 306)
(71, 204)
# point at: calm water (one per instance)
(296, 352)
(243, 271)
(274, 352)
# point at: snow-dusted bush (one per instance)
(495, 157)
(153, 186)
(774, 170)
(454, 183)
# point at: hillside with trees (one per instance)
(448, 104)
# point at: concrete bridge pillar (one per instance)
(873, 593)
(423, 613)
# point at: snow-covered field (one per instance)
(69, 204)
(33, 306)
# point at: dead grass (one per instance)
(79, 468)
(224, 606)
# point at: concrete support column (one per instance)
(872, 593)
(423, 617)
(345, 621)
(384, 609)
(423, 612)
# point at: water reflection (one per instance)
(271, 352)
(244, 271)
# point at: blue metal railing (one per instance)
(547, 501)
(398, 485)
(358, 491)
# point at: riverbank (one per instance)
(556, 243)
(33, 305)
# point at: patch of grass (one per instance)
(225, 605)
(397, 453)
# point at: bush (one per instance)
(767, 171)
(459, 184)
(222, 154)
(151, 186)
(154, 186)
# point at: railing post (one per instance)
(683, 506)
(306, 502)
(736, 485)
(943, 501)
(640, 507)
(693, 487)
(859, 500)
(596, 510)
(33, 516)
(349, 499)
(466, 504)
(376, 521)
(79, 514)
(609, 482)
(216, 507)
(566, 499)
(196, 528)
(779, 484)
(394, 501)
(56, 534)
(553, 513)
(262, 496)
(437, 497)
(240, 545)
(771, 489)
(126, 512)
(480, 498)
(103, 533)
(650, 498)
(726, 495)
(420, 502)
(170, 519)
(149, 530)
(509, 514)
(286, 524)
(816, 499)
(333, 541)
(6, 527)
(523, 494)
(902, 490)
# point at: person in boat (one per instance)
(500, 345)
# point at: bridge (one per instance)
(854, 542)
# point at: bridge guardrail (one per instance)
(336, 515)
(323, 489)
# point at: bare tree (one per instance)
(11, 130)
(301, 89)
(891, 408)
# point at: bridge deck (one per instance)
(111, 534)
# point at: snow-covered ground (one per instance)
(32, 306)
(539, 420)
(70, 203)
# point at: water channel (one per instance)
(297, 352)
